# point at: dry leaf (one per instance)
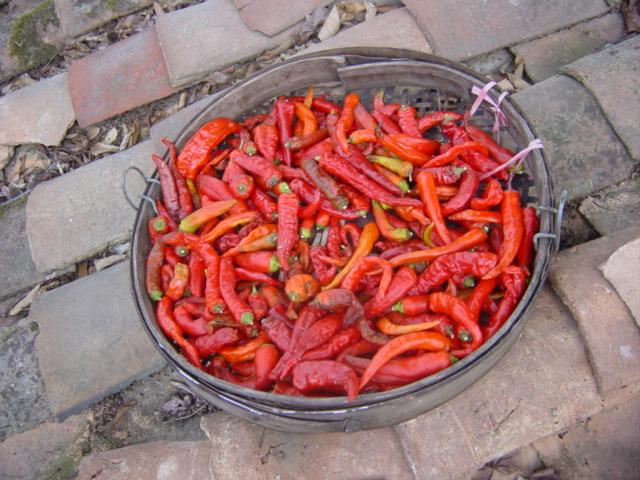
(311, 22)
(517, 82)
(157, 9)
(93, 132)
(111, 136)
(102, 263)
(83, 269)
(331, 25)
(371, 11)
(183, 100)
(353, 7)
(100, 148)
(135, 133)
(506, 86)
(26, 301)
(126, 137)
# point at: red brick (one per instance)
(123, 76)
(274, 16)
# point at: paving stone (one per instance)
(208, 37)
(542, 385)
(622, 269)
(91, 342)
(44, 452)
(610, 333)
(612, 76)
(18, 270)
(583, 151)
(460, 32)
(80, 16)
(274, 16)
(244, 450)
(396, 29)
(80, 213)
(123, 76)
(491, 62)
(604, 446)
(39, 113)
(544, 56)
(614, 208)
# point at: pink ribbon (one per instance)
(482, 95)
(517, 158)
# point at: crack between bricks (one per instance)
(506, 417)
(406, 454)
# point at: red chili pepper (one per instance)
(258, 303)
(479, 162)
(498, 152)
(214, 209)
(278, 332)
(197, 276)
(163, 212)
(363, 118)
(479, 295)
(264, 172)
(357, 159)
(299, 143)
(346, 120)
(512, 229)
(184, 195)
(461, 263)
(261, 261)
(412, 306)
(239, 309)
(385, 123)
(530, 225)
(195, 153)
(403, 151)
(364, 265)
(251, 276)
(166, 322)
(432, 119)
(461, 315)
(513, 281)
(288, 207)
(491, 196)
(168, 187)
(267, 140)
(244, 352)
(284, 110)
(478, 216)
(157, 227)
(404, 370)
(387, 230)
(408, 122)
(469, 184)
(325, 375)
(230, 223)
(402, 282)
(321, 270)
(213, 343)
(452, 153)
(306, 117)
(363, 136)
(301, 287)
(216, 189)
(192, 327)
(427, 188)
(212, 295)
(266, 358)
(447, 175)
(327, 185)
(240, 184)
(336, 344)
(264, 204)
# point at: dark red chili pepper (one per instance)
(512, 229)
(184, 195)
(168, 187)
(264, 172)
(427, 188)
(530, 225)
(265, 204)
(321, 270)
(278, 332)
(251, 276)
(326, 184)
(239, 309)
(266, 358)
(334, 346)
(387, 125)
(498, 152)
(405, 369)
(460, 263)
(357, 159)
(197, 276)
(258, 303)
(166, 322)
(284, 120)
(432, 119)
(267, 140)
(402, 282)
(491, 196)
(325, 375)
(240, 184)
(213, 343)
(408, 122)
(469, 183)
(288, 207)
(513, 281)
(461, 315)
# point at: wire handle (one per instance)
(557, 223)
(146, 179)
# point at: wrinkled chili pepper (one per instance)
(408, 122)
(512, 229)
(427, 189)
(452, 154)
(168, 188)
(346, 120)
(460, 263)
(359, 161)
(491, 196)
(402, 282)
(513, 281)
(365, 264)
(239, 309)
(284, 110)
(166, 322)
(325, 375)
(469, 183)
(258, 303)
(197, 276)
(458, 310)
(326, 184)
(240, 184)
(288, 207)
(216, 341)
(385, 123)
(251, 276)
(498, 152)
(334, 346)
(267, 140)
(530, 225)
(264, 172)
(368, 238)
(432, 119)
(179, 282)
(479, 216)
(300, 288)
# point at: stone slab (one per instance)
(459, 32)
(610, 333)
(612, 76)
(91, 342)
(622, 269)
(80, 16)
(208, 37)
(583, 151)
(39, 113)
(273, 16)
(80, 213)
(125, 75)
(395, 29)
(615, 208)
(541, 386)
(544, 56)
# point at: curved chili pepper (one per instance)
(266, 357)
(412, 306)
(239, 309)
(513, 281)
(363, 136)
(461, 315)
(364, 265)
(363, 118)
(402, 282)
(478, 216)
(166, 323)
(168, 187)
(288, 207)
(327, 185)
(244, 351)
(530, 225)
(346, 120)
(396, 165)
(452, 153)
(184, 195)
(491, 196)
(512, 229)
(230, 223)
(251, 276)
(321, 270)
(359, 202)
(260, 261)
(432, 119)
(447, 175)
(195, 153)
(460, 263)
(498, 152)
(214, 209)
(306, 117)
(334, 346)
(267, 140)
(264, 172)
(179, 282)
(197, 276)
(479, 295)
(479, 162)
(325, 375)
(405, 152)
(385, 123)
(189, 325)
(469, 183)
(397, 180)
(387, 230)
(214, 342)
(387, 327)
(357, 159)
(240, 184)
(427, 189)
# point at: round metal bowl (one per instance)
(428, 83)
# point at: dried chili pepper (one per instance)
(327, 185)
(512, 229)
(179, 282)
(301, 287)
(460, 263)
(368, 238)
(530, 225)
(251, 276)
(240, 184)
(157, 227)
(480, 216)
(197, 276)
(513, 281)
(498, 152)
(427, 188)
(432, 119)
(299, 143)
(491, 196)
(334, 346)
(400, 167)
(480, 294)
(216, 341)
(469, 183)
(258, 303)
(267, 140)
(266, 357)
(306, 117)
(387, 327)
(214, 209)
(168, 187)
(288, 207)
(239, 309)
(245, 351)
(284, 110)
(385, 123)
(325, 375)
(357, 159)
(166, 322)
(452, 154)
(458, 310)
(387, 230)
(230, 223)
(411, 306)
(403, 151)
(403, 281)
(264, 172)
(408, 122)
(346, 120)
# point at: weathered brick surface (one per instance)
(583, 151)
(39, 113)
(461, 31)
(541, 386)
(123, 76)
(84, 211)
(395, 29)
(610, 333)
(622, 269)
(612, 76)
(91, 342)
(78, 17)
(544, 56)
(273, 16)
(614, 208)
(207, 37)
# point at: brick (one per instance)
(583, 151)
(77, 17)
(125, 75)
(614, 208)
(612, 76)
(39, 113)
(40, 452)
(542, 385)
(80, 213)
(91, 342)
(460, 32)
(610, 333)
(395, 29)
(208, 37)
(244, 450)
(273, 16)
(544, 56)
(622, 269)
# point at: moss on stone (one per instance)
(111, 5)
(25, 40)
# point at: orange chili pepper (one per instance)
(244, 352)
(346, 120)
(387, 230)
(368, 238)
(427, 189)
(301, 287)
(512, 229)
(229, 223)
(307, 118)
(387, 327)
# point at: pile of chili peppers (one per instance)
(327, 249)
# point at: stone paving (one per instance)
(582, 107)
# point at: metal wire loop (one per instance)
(144, 197)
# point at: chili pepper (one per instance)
(166, 274)
(412, 306)
(153, 279)
(325, 375)
(267, 140)
(408, 122)
(387, 230)
(216, 189)
(513, 281)
(306, 228)
(301, 287)
(274, 296)
(400, 167)
(288, 207)
(459, 263)
(219, 368)
(397, 180)
(402, 282)
(365, 264)
(212, 295)
(481, 216)
(257, 233)
(479, 295)
(251, 276)
(278, 332)
(406, 153)
(512, 229)
(498, 152)
(310, 210)
(478, 161)
(363, 136)
(469, 184)
(432, 119)
(404, 370)
(264, 172)
(346, 120)
(157, 227)
(385, 123)
(530, 226)
(359, 202)
(166, 323)
(238, 308)
(196, 275)
(321, 270)
(283, 388)
(192, 327)
(452, 154)
(495, 238)
(327, 185)
(195, 153)
(284, 120)
(264, 204)
(260, 261)
(185, 199)
(214, 342)
(240, 184)
(192, 222)
(447, 175)
(458, 310)
(245, 351)
(218, 157)
(387, 327)
(266, 357)
(431, 341)
(427, 189)
(168, 187)
(491, 196)
(230, 223)
(251, 122)
(470, 239)
(363, 118)
(298, 143)
(358, 160)
(334, 346)
(322, 220)
(258, 304)
(163, 212)
(306, 117)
